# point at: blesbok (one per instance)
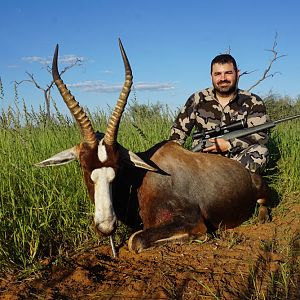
(176, 193)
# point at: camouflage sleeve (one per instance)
(184, 122)
(257, 115)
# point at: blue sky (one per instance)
(169, 43)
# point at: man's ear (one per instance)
(60, 158)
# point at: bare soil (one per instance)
(254, 261)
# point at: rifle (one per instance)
(234, 130)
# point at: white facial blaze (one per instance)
(105, 217)
(102, 154)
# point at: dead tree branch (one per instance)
(247, 73)
(266, 73)
(47, 90)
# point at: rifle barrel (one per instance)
(244, 132)
(247, 131)
(286, 119)
(254, 129)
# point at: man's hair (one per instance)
(223, 59)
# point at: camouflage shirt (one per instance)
(203, 111)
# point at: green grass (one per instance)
(46, 212)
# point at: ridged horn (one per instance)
(111, 133)
(77, 111)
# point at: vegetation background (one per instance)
(46, 212)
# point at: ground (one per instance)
(253, 261)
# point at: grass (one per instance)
(46, 212)
(275, 274)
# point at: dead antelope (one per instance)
(177, 193)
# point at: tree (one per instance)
(47, 90)
(266, 74)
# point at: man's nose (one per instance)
(223, 76)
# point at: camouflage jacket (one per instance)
(204, 112)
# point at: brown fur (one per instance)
(89, 161)
(191, 193)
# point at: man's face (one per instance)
(224, 78)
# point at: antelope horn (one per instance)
(77, 111)
(111, 133)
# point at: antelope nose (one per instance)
(106, 227)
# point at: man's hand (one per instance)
(219, 145)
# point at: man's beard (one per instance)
(227, 90)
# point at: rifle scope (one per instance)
(220, 130)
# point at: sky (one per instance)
(169, 43)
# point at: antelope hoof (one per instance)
(136, 243)
(263, 214)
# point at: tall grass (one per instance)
(287, 139)
(36, 211)
(45, 212)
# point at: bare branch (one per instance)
(247, 73)
(274, 58)
(77, 62)
(47, 90)
(228, 51)
(34, 81)
(20, 82)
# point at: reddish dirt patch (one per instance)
(245, 263)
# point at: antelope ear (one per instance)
(60, 158)
(132, 159)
